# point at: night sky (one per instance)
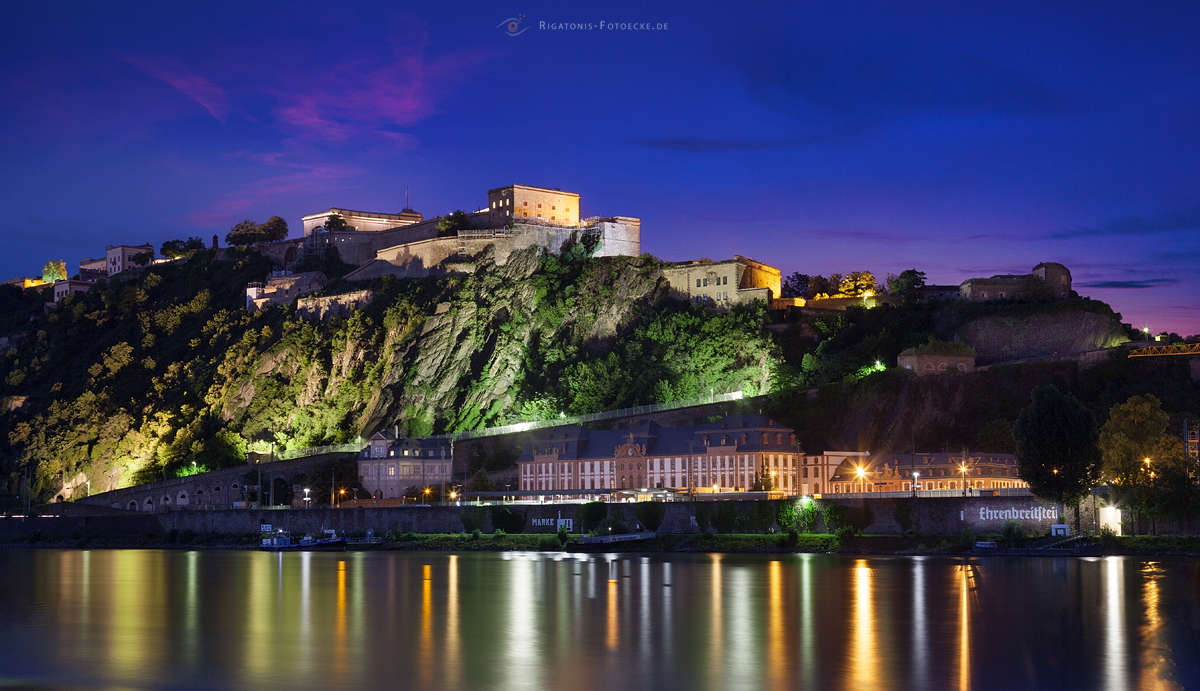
(962, 139)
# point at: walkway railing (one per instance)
(591, 417)
(318, 450)
(927, 493)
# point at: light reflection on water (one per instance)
(249, 620)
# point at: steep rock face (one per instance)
(1000, 339)
(457, 362)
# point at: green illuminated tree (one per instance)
(174, 249)
(1056, 446)
(54, 270)
(857, 284)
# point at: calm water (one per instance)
(247, 620)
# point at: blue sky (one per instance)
(962, 139)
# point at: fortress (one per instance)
(406, 245)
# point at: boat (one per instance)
(282, 541)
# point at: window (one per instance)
(962, 367)
(929, 366)
(706, 282)
(697, 283)
(942, 367)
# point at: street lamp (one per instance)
(861, 474)
(962, 469)
(426, 495)
(916, 478)
(307, 498)
(341, 496)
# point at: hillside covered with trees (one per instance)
(161, 368)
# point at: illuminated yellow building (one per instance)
(929, 471)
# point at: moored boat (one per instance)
(282, 541)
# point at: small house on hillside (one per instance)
(283, 289)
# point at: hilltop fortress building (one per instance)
(407, 245)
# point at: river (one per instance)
(148, 619)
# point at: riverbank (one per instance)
(1138, 545)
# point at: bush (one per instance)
(703, 515)
(834, 516)
(589, 516)
(845, 533)
(1013, 533)
(562, 536)
(806, 517)
(902, 512)
(613, 524)
(1108, 537)
(473, 518)
(725, 517)
(966, 539)
(785, 515)
(476, 534)
(651, 514)
(549, 543)
(758, 518)
(504, 518)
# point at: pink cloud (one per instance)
(174, 74)
(364, 97)
(307, 180)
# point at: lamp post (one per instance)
(916, 479)
(962, 470)
(307, 498)
(861, 478)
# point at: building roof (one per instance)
(534, 187)
(584, 444)
(918, 461)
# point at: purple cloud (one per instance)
(174, 74)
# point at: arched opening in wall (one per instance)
(289, 256)
(149, 504)
(165, 500)
(962, 367)
(942, 367)
(929, 366)
(182, 499)
(132, 505)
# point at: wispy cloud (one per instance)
(364, 97)
(178, 77)
(1133, 226)
(1132, 285)
(309, 180)
(719, 145)
(841, 94)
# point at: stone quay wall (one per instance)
(929, 516)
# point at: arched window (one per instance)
(182, 499)
(165, 499)
(908, 367)
(942, 367)
(132, 505)
(962, 367)
(929, 366)
(149, 504)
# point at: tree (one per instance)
(452, 223)
(335, 224)
(764, 481)
(651, 514)
(1134, 433)
(480, 482)
(274, 230)
(819, 285)
(907, 286)
(1056, 446)
(243, 233)
(142, 258)
(174, 249)
(857, 284)
(796, 285)
(54, 270)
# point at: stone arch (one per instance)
(182, 499)
(962, 367)
(148, 504)
(942, 367)
(929, 366)
(132, 505)
(166, 499)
